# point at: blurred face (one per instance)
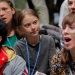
(6, 12)
(69, 36)
(30, 25)
(71, 4)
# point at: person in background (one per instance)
(63, 62)
(64, 7)
(20, 4)
(38, 5)
(51, 9)
(10, 63)
(69, 8)
(36, 49)
(9, 15)
(42, 11)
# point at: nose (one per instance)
(1, 13)
(73, 5)
(32, 26)
(65, 31)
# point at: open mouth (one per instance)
(4, 19)
(73, 11)
(67, 39)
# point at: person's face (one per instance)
(31, 25)
(6, 12)
(69, 36)
(71, 4)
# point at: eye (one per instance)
(64, 27)
(27, 25)
(35, 22)
(4, 9)
(72, 27)
(70, 3)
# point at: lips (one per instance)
(67, 40)
(4, 19)
(34, 32)
(73, 10)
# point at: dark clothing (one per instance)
(45, 56)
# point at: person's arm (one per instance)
(52, 50)
(19, 67)
(42, 10)
(53, 66)
(17, 49)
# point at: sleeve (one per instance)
(53, 65)
(52, 49)
(19, 67)
(17, 49)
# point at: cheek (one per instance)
(9, 17)
(38, 26)
(73, 38)
(26, 30)
(69, 8)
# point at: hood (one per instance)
(10, 52)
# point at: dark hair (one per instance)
(3, 32)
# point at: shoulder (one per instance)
(19, 42)
(47, 37)
(16, 66)
(17, 61)
(57, 57)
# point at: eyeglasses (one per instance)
(4, 11)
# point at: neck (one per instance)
(33, 40)
(10, 30)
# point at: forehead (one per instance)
(4, 4)
(72, 0)
(29, 18)
(68, 24)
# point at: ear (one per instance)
(0, 38)
(13, 11)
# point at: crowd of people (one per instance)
(27, 42)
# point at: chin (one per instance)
(69, 48)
